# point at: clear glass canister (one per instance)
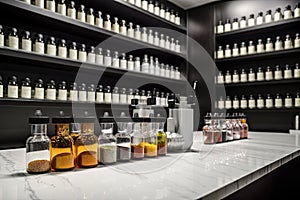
(37, 145)
(137, 140)
(87, 142)
(150, 143)
(123, 137)
(162, 140)
(107, 148)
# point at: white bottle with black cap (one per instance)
(13, 88)
(151, 6)
(61, 7)
(277, 15)
(137, 33)
(39, 92)
(243, 22)
(251, 20)
(81, 15)
(235, 24)
(260, 18)
(71, 11)
(99, 57)
(90, 18)
(73, 53)
(26, 41)
(227, 26)
(62, 91)
(177, 18)
(268, 16)
(260, 46)
(297, 10)
(145, 4)
(99, 20)
(251, 48)
(278, 101)
(144, 36)
(243, 76)
(13, 39)
(138, 3)
(130, 63)
(51, 47)
(51, 91)
(288, 14)
(227, 51)
(260, 102)
(91, 57)
(82, 55)
(220, 27)
(123, 62)
(151, 38)
(235, 103)
(288, 101)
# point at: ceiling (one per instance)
(187, 4)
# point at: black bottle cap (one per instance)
(288, 7)
(278, 10)
(100, 88)
(227, 21)
(83, 86)
(243, 18)
(235, 19)
(260, 14)
(73, 86)
(26, 82)
(251, 16)
(269, 12)
(38, 118)
(51, 84)
(134, 102)
(106, 120)
(62, 119)
(63, 85)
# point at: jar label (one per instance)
(177, 75)
(243, 24)
(82, 95)
(39, 47)
(288, 44)
(138, 3)
(228, 53)
(99, 97)
(91, 96)
(51, 50)
(162, 13)
(13, 42)
(235, 26)
(73, 95)
(260, 76)
(99, 59)
(297, 43)
(162, 43)
(26, 45)
(82, 56)
(73, 54)
(251, 22)
(51, 94)
(107, 98)
(62, 52)
(156, 10)
(227, 27)
(173, 46)
(172, 74)
(39, 93)
(227, 79)
(278, 46)
(26, 92)
(12, 91)
(62, 95)
(151, 8)
(269, 47)
(268, 18)
(235, 78)
(251, 77)
(221, 104)
(277, 17)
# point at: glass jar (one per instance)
(268, 16)
(73, 92)
(251, 20)
(91, 57)
(13, 88)
(39, 92)
(86, 143)
(269, 45)
(99, 94)
(130, 63)
(62, 144)
(269, 74)
(25, 88)
(107, 23)
(116, 26)
(90, 18)
(82, 92)
(228, 103)
(51, 47)
(91, 93)
(130, 32)
(236, 103)
(243, 76)
(278, 44)
(99, 20)
(116, 95)
(269, 101)
(13, 39)
(260, 18)
(61, 7)
(82, 55)
(297, 41)
(37, 145)
(107, 142)
(123, 96)
(51, 90)
(297, 100)
(107, 95)
(277, 15)
(26, 41)
(71, 11)
(124, 139)
(137, 140)
(162, 140)
(81, 15)
(251, 102)
(244, 102)
(123, 28)
(62, 91)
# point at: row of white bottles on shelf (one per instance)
(259, 48)
(260, 75)
(260, 102)
(88, 17)
(260, 19)
(158, 9)
(81, 93)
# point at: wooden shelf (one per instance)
(262, 27)
(263, 110)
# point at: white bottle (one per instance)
(73, 96)
(177, 73)
(162, 41)
(99, 20)
(50, 5)
(220, 78)
(251, 102)
(62, 49)
(288, 42)
(62, 92)
(130, 63)
(91, 94)
(278, 101)
(145, 64)
(228, 78)
(145, 4)
(13, 39)
(26, 42)
(123, 96)
(99, 57)
(243, 22)
(156, 8)
(123, 62)
(220, 27)
(251, 20)
(116, 60)
(156, 39)
(177, 18)
(115, 26)
(278, 73)
(130, 96)
(251, 48)
(138, 3)
(260, 75)
(296, 71)
(243, 49)
(243, 76)
(61, 7)
(288, 101)
(137, 64)
(73, 54)
(81, 15)
(99, 94)
(144, 34)
(268, 16)
(51, 91)
(172, 16)
(260, 18)
(107, 59)
(167, 44)
(71, 11)
(156, 67)
(277, 15)
(172, 45)
(297, 41)
(297, 100)
(151, 66)
(220, 53)
(228, 103)
(269, 45)
(288, 72)
(90, 18)
(39, 90)
(162, 12)
(123, 28)
(167, 72)
(221, 103)
(1, 36)
(107, 23)
(260, 46)
(82, 93)
(82, 55)
(115, 96)
(162, 70)
(278, 44)
(251, 75)
(227, 51)
(40, 3)
(151, 7)
(137, 33)
(235, 77)
(235, 24)
(235, 50)
(269, 74)
(91, 57)
(244, 102)
(227, 26)
(288, 14)
(167, 14)
(260, 102)
(177, 46)
(269, 101)
(297, 10)
(25, 89)
(235, 103)
(130, 31)
(51, 47)
(13, 88)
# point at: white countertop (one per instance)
(213, 172)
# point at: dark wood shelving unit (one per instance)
(263, 110)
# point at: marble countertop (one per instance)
(208, 172)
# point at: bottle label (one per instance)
(107, 98)
(278, 46)
(73, 54)
(259, 20)
(151, 40)
(162, 72)
(137, 35)
(90, 19)
(123, 98)
(243, 51)
(115, 28)
(62, 52)
(227, 53)
(99, 59)
(99, 97)
(12, 91)
(287, 74)
(73, 95)
(99, 22)
(144, 37)
(297, 12)
(173, 47)
(130, 65)
(72, 13)
(91, 58)
(81, 16)
(235, 52)
(235, 78)
(288, 44)
(145, 5)
(278, 103)
(82, 95)
(220, 54)
(62, 95)
(26, 45)
(123, 64)
(268, 18)
(1, 91)
(260, 48)
(269, 47)
(13, 42)
(137, 66)
(39, 47)
(269, 103)
(39, 93)
(82, 56)
(167, 73)
(51, 94)
(116, 98)
(61, 8)
(177, 75)
(50, 5)
(91, 96)
(116, 62)
(107, 61)
(243, 24)
(162, 43)
(107, 25)
(277, 17)
(26, 92)
(167, 45)
(236, 104)
(251, 49)
(172, 18)
(145, 67)
(243, 77)
(40, 3)
(251, 22)
(130, 33)
(51, 50)
(288, 14)
(172, 74)
(1, 40)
